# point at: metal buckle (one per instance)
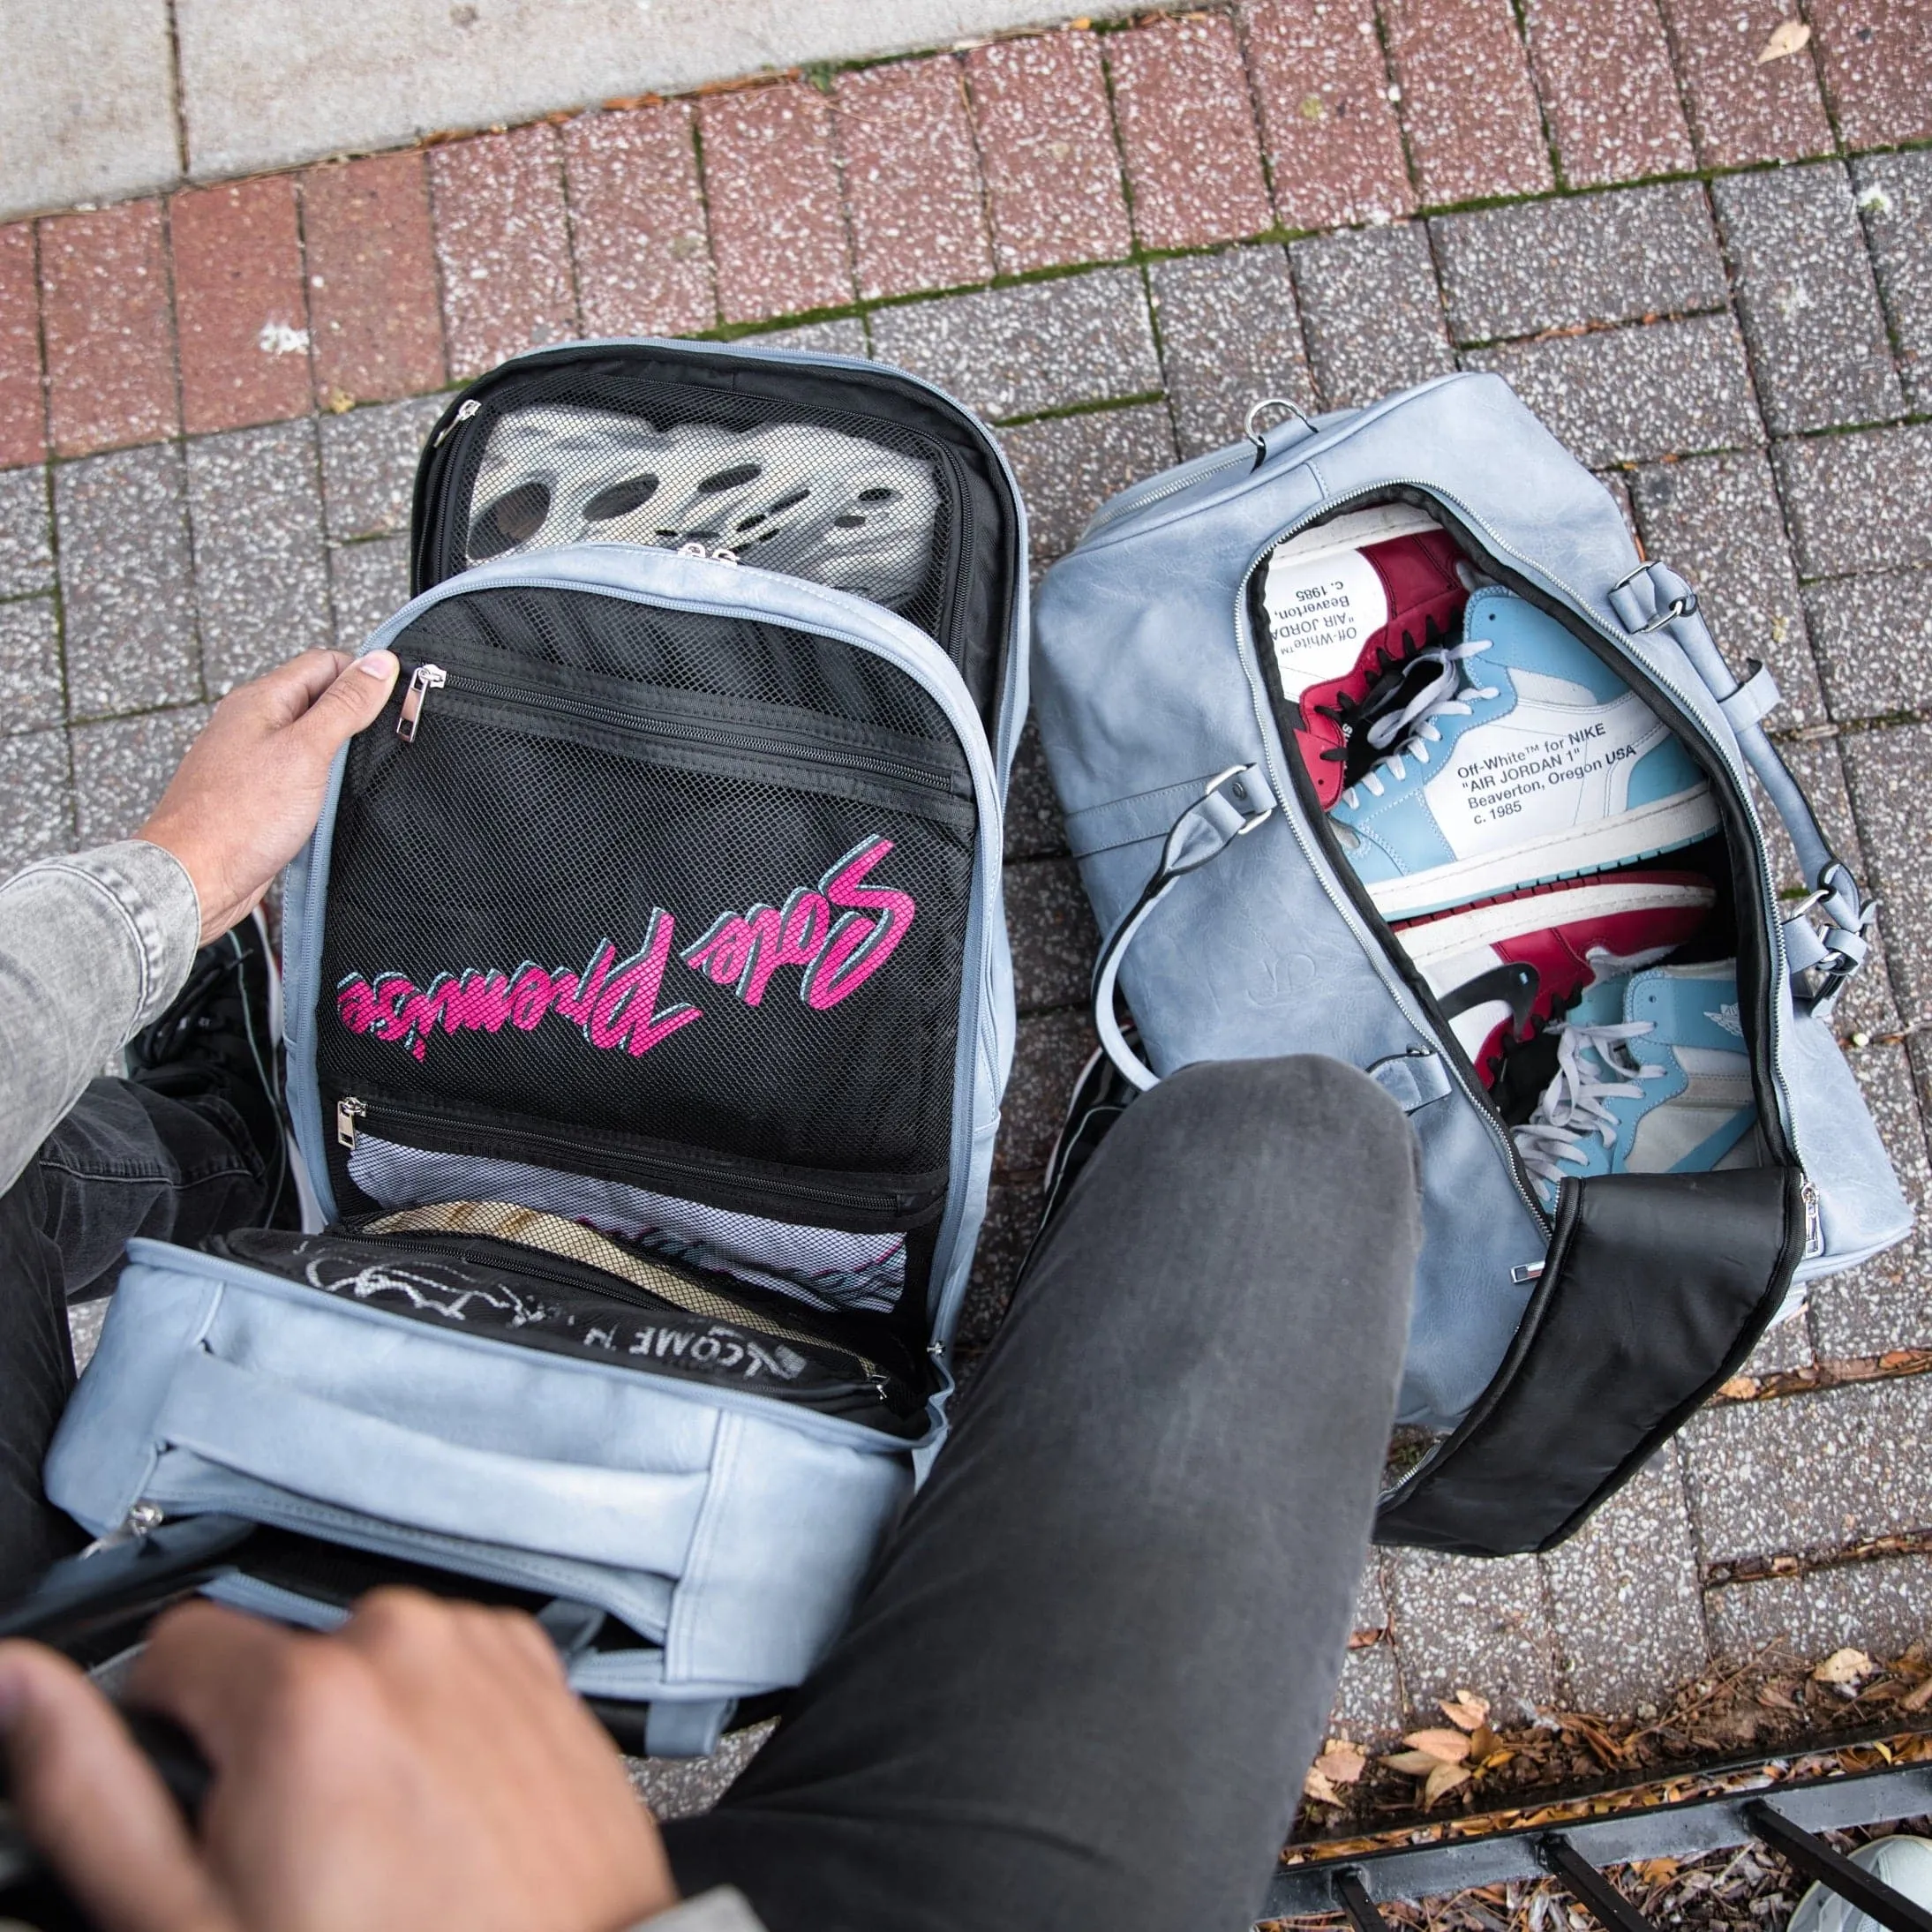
(1255, 435)
(1679, 606)
(1251, 817)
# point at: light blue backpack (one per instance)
(1549, 1354)
(648, 1009)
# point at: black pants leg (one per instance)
(1085, 1683)
(126, 1161)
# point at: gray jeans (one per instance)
(1092, 1667)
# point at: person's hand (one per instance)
(425, 1766)
(251, 788)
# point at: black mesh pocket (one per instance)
(637, 912)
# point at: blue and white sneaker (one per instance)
(1527, 760)
(1651, 1078)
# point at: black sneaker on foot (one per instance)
(222, 1038)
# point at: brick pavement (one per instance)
(1108, 239)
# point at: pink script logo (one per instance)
(841, 932)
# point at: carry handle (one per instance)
(1230, 807)
(1655, 598)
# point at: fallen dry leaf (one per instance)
(1450, 1745)
(1342, 1763)
(1739, 1388)
(1846, 1666)
(1317, 1787)
(1442, 1781)
(1483, 1744)
(1918, 1698)
(1413, 1764)
(1786, 38)
(1466, 1710)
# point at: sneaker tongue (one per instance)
(1601, 1004)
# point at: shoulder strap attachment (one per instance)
(1231, 806)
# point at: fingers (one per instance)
(93, 1803)
(285, 693)
(214, 1671)
(350, 701)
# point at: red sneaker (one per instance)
(1496, 967)
(1347, 603)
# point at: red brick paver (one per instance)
(777, 227)
(244, 337)
(504, 241)
(1603, 70)
(1467, 103)
(1187, 126)
(373, 317)
(110, 340)
(1875, 56)
(22, 411)
(911, 178)
(637, 223)
(1047, 140)
(1742, 110)
(1334, 143)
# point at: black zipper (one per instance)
(716, 735)
(881, 1208)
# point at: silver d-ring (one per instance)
(1254, 435)
(1678, 607)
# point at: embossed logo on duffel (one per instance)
(837, 933)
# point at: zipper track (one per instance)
(723, 737)
(500, 1144)
(1129, 501)
(1579, 606)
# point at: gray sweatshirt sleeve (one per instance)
(92, 948)
(722, 1909)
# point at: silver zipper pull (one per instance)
(348, 1112)
(423, 679)
(1814, 1221)
(464, 411)
(131, 1529)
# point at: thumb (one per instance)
(355, 699)
(94, 1805)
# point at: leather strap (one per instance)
(1654, 597)
(1230, 807)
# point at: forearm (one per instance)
(92, 948)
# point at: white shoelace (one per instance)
(1572, 1105)
(1450, 693)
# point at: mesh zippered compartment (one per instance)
(717, 925)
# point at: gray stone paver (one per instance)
(368, 459)
(1584, 259)
(127, 582)
(680, 1787)
(1872, 635)
(1047, 1055)
(123, 765)
(1787, 1346)
(1879, 1607)
(1229, 335)
(1889, 770)
(1033, 826)
(1894, 195)
(1021, 352)
(36, 798)
(843, 336)
(1857, 502)
(27, 553)
(367, 583)
(1069, 465)
(1886, 1302)
(1810, 1472)
(1012, 1216)
(1055, 939)
(30, 679)
(1372, 312)
(1368, 1707)
(1630, 394)
(1807, 298)
(1716, 519)
(260, 576)
(1623, 1593)
(1470, 1622)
